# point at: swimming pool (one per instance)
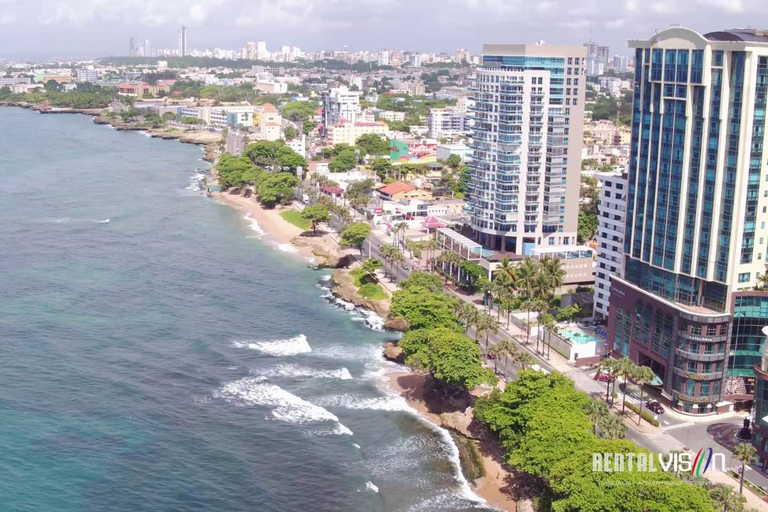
(577, 336)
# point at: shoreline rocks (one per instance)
(346, 290)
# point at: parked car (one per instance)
(654, 406)
(491, 355)
(603, 377)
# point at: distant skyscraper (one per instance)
(261, 51)
(597, 59)
(383, 57)
(131, 48)
(526, 140)
(695, 244)
(183, 42)
(250, 50)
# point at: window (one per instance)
(744, 277)
(711, 330)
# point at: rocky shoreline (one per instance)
(210, 141)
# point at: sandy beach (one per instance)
(496, 487)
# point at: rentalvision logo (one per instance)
(697, 464)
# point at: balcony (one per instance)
(700, 357)
(698, 375)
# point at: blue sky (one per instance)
(100, 27)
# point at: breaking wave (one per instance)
(289, 347)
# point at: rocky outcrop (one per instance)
(327, 253)
(396, 324)
(464, 423)
(393, 353)
(346, 290)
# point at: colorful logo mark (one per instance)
(702, 461)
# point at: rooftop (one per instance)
(396, 188)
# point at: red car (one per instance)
(654, 406)
(491, 355)
(603, 377)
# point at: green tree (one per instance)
(299, 110)
(419, 280)
(597, 412)
(316, 214)
(308, 127)
(724, 496)
(290, 133)
(453, 161)
(235, 171)
(486, 325)
(455, 360)
(424, 310)
(382, 167)
(373, 144)
(355, 235)
(641, 375)
(169, 116)
(344, 161)
(370, 266)
(745, 453)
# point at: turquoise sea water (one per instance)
(173, 358)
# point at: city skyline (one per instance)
(90, 29)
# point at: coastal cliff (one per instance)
(346, 290)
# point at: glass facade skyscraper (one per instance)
(526, 133)
(695, 240)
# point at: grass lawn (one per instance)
(294, 218)
(373, 292)
(357, 277)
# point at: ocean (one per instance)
(159, 353)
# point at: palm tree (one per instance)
(642, 375)
(524, 359)
(505, 274)
(487, 287)
(431, 246)
(597, 412)
(387, 252)
(613, 427)
(400, 228)
(609, 366)
(725, 496)
(396, 257)
(469, 314)
(539, 306)
(486, 325)
(763, 280)
(526, 280)
(745, 453)
(553, 271)
(506, 348)
(495, 350)
(625, 371)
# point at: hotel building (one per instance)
(695, 239)
(526, 146)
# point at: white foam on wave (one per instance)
(196, 182)
(396, 403)
(105, 221)
(254, 225)
(369, 485)
(146, 134)
(298, 371)
(290, 347)
(288, 248)
(287, 407)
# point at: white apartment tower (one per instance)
(610, 237)
(183, 42)
(527, 128)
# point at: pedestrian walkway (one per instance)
(687, 424)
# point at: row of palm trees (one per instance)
(605, 423)
(630, 372)
(530, 284)
(391, 255)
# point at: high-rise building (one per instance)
(695, 242)
(183, 42)
(250, 50)
(526, 139)
(597, 58)
(610, 237)
(261, 51)
(445, 123)
(383, 57)
(340, 105)
(131, 47)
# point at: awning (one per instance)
(432, 223)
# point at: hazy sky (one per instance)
(49, 28)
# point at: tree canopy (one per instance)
(356, 234)
(274, 155)
(373, 144)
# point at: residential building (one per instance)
(348, 133)
(388, 115)
(271, 87)
(597, 58)
(8, 81)
(446, 123)
(399, 190)
(446, 150)
(610, 238)
(87, 74)
(269, 123)
(760, 422)
(340, 105)
(183, 42)
(528, 125)
(695, 240)
(578, 262)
